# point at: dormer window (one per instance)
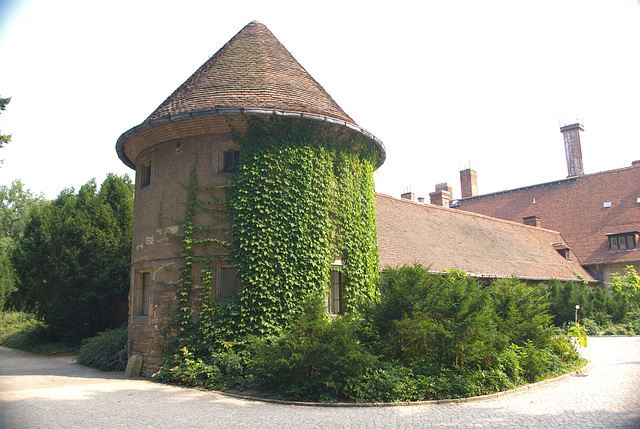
(623, 241)
(563, 250)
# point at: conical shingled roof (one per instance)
(253, 70)
(253, 74)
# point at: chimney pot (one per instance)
(421, 199)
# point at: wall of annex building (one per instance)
(605, 271)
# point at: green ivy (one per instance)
(303, 196)
(195, 240)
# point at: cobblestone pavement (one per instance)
(53, 392)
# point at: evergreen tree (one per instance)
(72, 261)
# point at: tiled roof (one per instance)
(253, 70)
(575, 208)
(445, 238)
(253, 74)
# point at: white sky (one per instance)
(441, 83)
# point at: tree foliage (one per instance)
(7, 282)
(72, 261)
(4, 138)
(15, 204)
(434, 320)
(600, 305)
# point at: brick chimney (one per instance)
(468, 183)
(408, 196)
(572, 149)
(442, 195)
(532, 220)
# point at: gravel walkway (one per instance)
(54, 392)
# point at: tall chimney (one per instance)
(468, 183)
(572, 148)
(442, 195)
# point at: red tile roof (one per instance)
(445, 238)
(253, 70)
(575, 208)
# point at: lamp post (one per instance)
(577, 308)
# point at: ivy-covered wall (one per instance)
(302, 197)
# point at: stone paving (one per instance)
(45, 392)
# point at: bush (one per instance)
(591, 326)
(427, 337)
(223, 370)
(521, 311)
(316, 358)
(25, 331)
(106, 351)
(448, 320)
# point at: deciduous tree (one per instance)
(3, 137)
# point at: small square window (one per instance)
(231, 161)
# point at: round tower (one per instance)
(211, 131)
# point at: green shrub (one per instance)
(386, 383)
(591, 326)
(219, 370)
(25, 331)
(446, 319)
(316, 358)
(521, 311)
(427, 337)
(106, 351)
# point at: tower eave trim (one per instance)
(120, 144)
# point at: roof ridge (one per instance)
(552, 182)
(465, 213)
